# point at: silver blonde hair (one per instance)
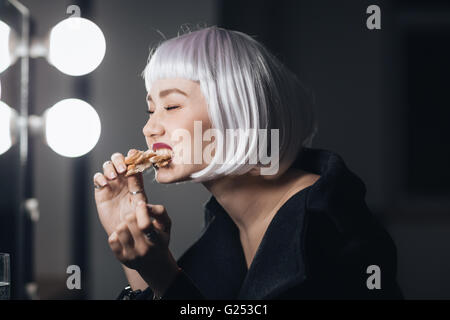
(245, 86)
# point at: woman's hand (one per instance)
(141, 243)
(112, 194)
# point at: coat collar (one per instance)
(216, 262)
(278, 262)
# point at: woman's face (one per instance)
(174, 104)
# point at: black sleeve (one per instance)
(339, 254)
(182, 288)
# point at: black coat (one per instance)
(318, 246)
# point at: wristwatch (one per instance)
(128, 294)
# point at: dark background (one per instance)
(381, 97)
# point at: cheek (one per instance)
(189, 131)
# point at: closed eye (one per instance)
(167, 108)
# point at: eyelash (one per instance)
(167, 108)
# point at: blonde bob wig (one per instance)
(246, 87)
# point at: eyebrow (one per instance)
(166, 92)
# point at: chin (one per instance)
(170, 174)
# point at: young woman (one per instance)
(290, 226)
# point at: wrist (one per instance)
(129, 294)
(160, 280)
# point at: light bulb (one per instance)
(76, 46)
(6, 39)
(8, 116)
(72, 127)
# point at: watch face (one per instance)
(126, 294)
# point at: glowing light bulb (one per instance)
(72, 127)
(6, 38)
(7, 118)
(76, 46)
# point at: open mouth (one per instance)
(159, 156)
(163, 156)
(160, 145)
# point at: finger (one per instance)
(146, 225)
(141, 241)
(138, 236)
(109, 171)
(145, 213)
(136, 182)
(125, 237)
(99, 180)
(144, 222)
(131, 152)
(118, 161)
(115, 245)
(162, 220)
(102, 190)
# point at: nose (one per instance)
(153, 128)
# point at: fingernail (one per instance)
(112, 175)
(122, 168)
(103, 182)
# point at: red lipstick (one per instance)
(160, 145)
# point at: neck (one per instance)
(250, 200)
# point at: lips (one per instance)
(161, 145)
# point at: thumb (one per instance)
(161, 219)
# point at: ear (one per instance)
(255, 171)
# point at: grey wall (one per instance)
(119, 95)
(353, 71)
(335, 54)
(359, 77)
(52, 182)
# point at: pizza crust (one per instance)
(139, 161)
